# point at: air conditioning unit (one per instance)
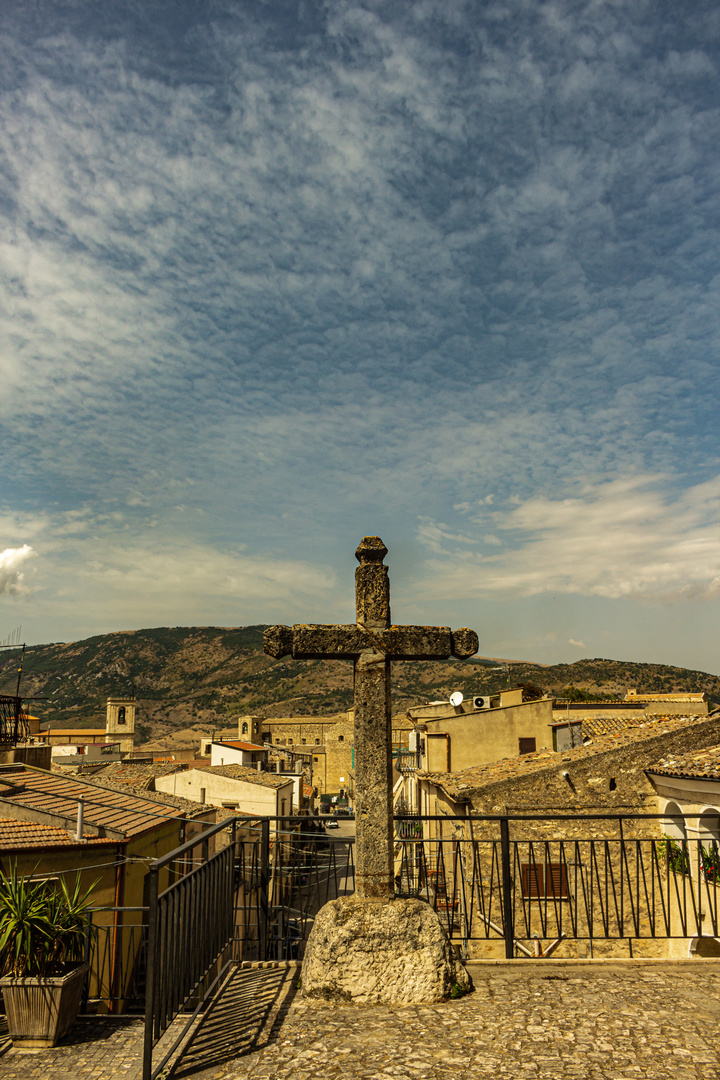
(481, 703)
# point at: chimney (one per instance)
(80, 819)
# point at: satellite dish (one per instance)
(456, 699)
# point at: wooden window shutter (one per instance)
(533, 879)
(557, 879)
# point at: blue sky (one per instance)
(277, 275)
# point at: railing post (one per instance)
(151, 973)
(264, 879)
(507, 897)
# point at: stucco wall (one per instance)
(481, 737)
(250, 798)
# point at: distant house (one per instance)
(689, 783)
(236, 752)
(119, 728)
(479, 730)
(635, 704)
(235, 787)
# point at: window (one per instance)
(316, 760)
(304, 741)
(290, 742)
(341, 738)
(544, 879)
(527, 746)
(317, 742)
(202, 794)
(121, 715)
(244, 729)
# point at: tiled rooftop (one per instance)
(594, 727)
(129, 814)
(461, 785)
(680, 696)
(187, 806)
(246, 773)
(28, 834)
(138, 776)
(236, 744)
(700, 764)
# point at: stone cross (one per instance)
(372, 643)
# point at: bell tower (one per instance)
(120, 722)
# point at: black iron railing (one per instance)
(116, 948)
(190, 934)
(518, 879)
(502, 883)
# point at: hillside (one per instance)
(204, 677)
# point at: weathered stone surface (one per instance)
(464, 643)
(372, 585)
(278, 641)
(374, 953)
(374, 863)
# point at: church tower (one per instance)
(120, 722)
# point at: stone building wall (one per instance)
(632, 885)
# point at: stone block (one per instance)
(373, 952)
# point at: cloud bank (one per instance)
(12, 578)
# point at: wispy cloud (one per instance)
(311, 271)
(623, 538)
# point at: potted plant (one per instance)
(42, 939)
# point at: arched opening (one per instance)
(674, 827)
(709, 825)
(244, 729)
(121, 715)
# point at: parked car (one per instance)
(332, 824)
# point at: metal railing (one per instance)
(501, 882)
(190, 934)
(116, 949)
(521, 879)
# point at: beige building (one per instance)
(689, 784)
(235, 787)
(636, 705)
(450, 737)
(122, 832)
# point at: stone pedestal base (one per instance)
(371, 952)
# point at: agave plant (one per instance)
(42, 924)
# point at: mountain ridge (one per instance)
(205, 677)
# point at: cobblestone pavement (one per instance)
(604, 1020)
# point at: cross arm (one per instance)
(311, 641)
(428, 642)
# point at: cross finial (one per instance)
(372, 587)
(371, 550)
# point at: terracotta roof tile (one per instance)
(246, 773)
(130, 814)
(28, 834)
(139, 776)
(701, 764)
(613, 725)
